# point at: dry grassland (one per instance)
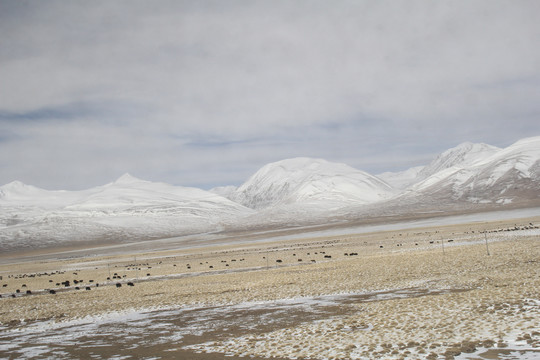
(492, 298)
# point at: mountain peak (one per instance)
(14, 184)
(127, 179)
(303, 180)
(307, 166)
(18, 186)
(465, 154)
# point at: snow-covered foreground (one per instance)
(256, 326)
(409, 299)
(182, 327)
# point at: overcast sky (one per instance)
(204, 93)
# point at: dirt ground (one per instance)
(491, 297)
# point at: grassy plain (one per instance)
(488, 300)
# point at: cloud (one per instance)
(202, 93)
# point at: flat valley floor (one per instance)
(464, 291)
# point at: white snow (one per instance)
(478, 168)
(305, 180)
(292, 192)
(126, 207)
(402, 179)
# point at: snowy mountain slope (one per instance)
(125, 193)
(225, 191)
(306, 180)
(505, 176)
(402, 179)
(17, 193)
(128, 208)
(130, 194)
(463, 155)
(287, 193)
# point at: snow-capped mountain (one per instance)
(501, 176)
(292, 192)
(127, 194)
(225, 191)
(128, 208)
(310, 181)
(463, 155)
(402, 179)
(131, 194)
(17, 193)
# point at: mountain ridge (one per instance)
(306, 180)
(290, 192)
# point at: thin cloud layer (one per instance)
(203, 93)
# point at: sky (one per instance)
(204, 93)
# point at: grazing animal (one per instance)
(28, 292)
(279, 261)
(327, 256)
(88, 288)
(118, 285)
(52, 292)
(130, 284)
(380, 246)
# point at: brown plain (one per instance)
(495, 306)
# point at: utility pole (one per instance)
(487, 247)
(442, 243)
(137, 268)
